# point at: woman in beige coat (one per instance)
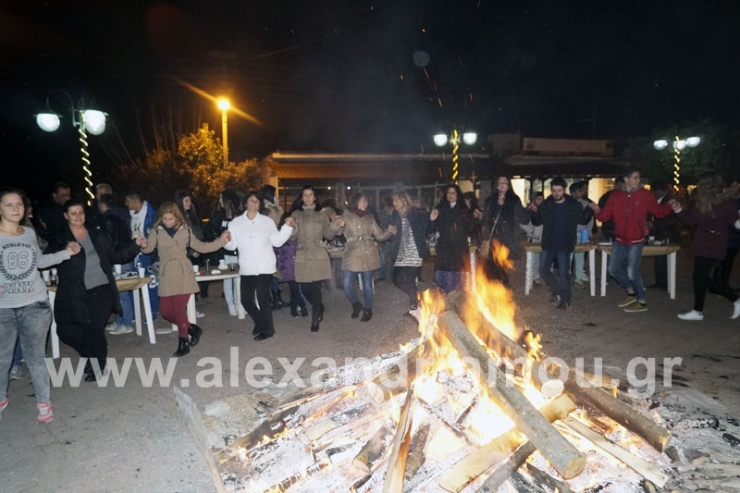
(171, 237)
(312, 265)
(361, 256)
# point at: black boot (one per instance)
(321, 313)
(304, 310)
(367, 314)
(356, 308)
(194, 333)
(315, 320)
(183, 347)
(277, 302)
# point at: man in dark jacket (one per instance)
(559, 215)
(629, 208)
(51, 214)
(662, 229)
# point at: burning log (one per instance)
(267, 430)
(505, 470)
(399, 452)
(640, 466)
(544, 478)
(564, 457)
(372, 452)
(298, 477)
(397, 379)
(475, 464)
(654, 434)
(452, 427)
(416, 452)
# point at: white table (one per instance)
(225, 276)
(647, 251)
(532, 248)
(136, 285)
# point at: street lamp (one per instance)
(469, 138)
(85, 121)
(678, 146)
(224, 105)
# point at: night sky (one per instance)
(356, 75)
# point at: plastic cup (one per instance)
(46, 275)
(142, 272)
(195, 270)
(584, 236)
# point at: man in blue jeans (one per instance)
(629, 209)
(559, 215)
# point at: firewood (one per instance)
(564, 457)
(524, 485)
(544, 478)
(416, 452)
(394, 476)
(654, 434)
(466, 470)
(504, 471)
(398, 377)
(298, 477)
(640, 466)
(268, 429)
(369, 455)
(452, 427)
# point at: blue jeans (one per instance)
(17, 354)
(367, 286)
(385, 260)
(30, 325)
(127, 300)
(561, 286)
(630, 278)
(449, 280)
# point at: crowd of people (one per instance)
(91, 246)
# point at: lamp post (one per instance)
(224, 105)
(678, 146)
(85, 121)
(468, 138)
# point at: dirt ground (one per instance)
(130, 438)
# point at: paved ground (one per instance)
(131, 439)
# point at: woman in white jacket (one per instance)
(254, 235)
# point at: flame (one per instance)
(533, 343)
(500, 254)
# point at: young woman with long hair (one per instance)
(454, 223)
(25, 311)
(172, 237)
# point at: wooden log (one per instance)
(504, 471)
(452, 427)
(398, 378)
(268, 429)
(416, 452)
(372, 451)
(466, 470)
(524, 485)
(654, 434)
(544, 478)
(394, 476)
(564, 457)
(642, 467)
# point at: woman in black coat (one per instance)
(453, 221)
(86, 291)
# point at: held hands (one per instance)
(533, 207)
(392, 230)
(594, 207)
(434, 214)
(339, 221)
(675, 205)
(478, 214)
(226, 236)
(73, 248)
(290, 221)
(141, 241)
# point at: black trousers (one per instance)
(660, 268)
(259, 287)
(703, 281)
(404, 279)
(724, 268)
(89, 339)
(312, 292)
(296, 297)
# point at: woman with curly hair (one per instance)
(172, 237)
(713, 210)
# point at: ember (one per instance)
(463, 408)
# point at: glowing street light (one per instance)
(678, 146)
(85, 121)
(224, 105)
(469, 138)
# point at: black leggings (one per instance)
(405, 279)
(89, 339)
(703, 281)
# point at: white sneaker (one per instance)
(736, 310)
(199, 314)
(692, 315)
(111, 326)
(121, 329)
(15, 372)
(232, 311)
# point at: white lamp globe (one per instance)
(693, 141)
(94, 121)
(679, 144)
(660, 144)
(470, 137)
(48, 122)
(440, 139)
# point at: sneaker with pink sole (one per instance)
(46, 414)
(3, 404)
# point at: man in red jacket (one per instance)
(629, 209)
